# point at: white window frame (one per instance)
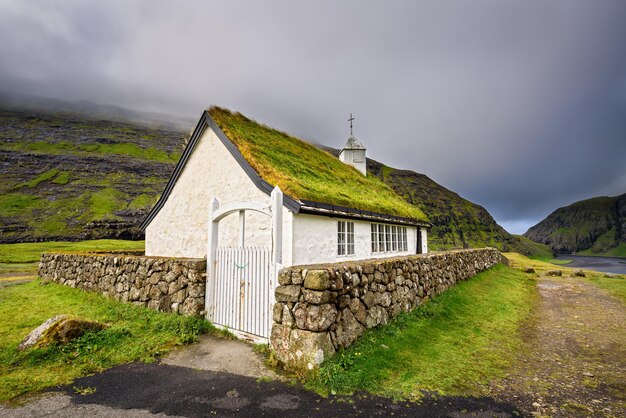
(345, 238)
(387, 238)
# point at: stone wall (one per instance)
(324, 308)
(164, 284)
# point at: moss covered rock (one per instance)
(59, 330)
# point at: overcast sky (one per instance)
(517, 106)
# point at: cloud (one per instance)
(517, 106)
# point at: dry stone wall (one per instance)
(324, 308)
(164, 284)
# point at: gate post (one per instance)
(277, 243)
(209, 294)
(277, 225)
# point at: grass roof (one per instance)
(306, 172)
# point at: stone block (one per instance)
(348, 329)
(316, 297)
(277, 312)
(299, 349)
(317, 280)
(369, 299)
(314, 317)
(289, 293)
(284, 277)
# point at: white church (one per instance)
(252, 199)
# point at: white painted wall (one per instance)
(315, 241)
(355, 158)
(180, 228)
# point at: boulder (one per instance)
(578, 273)
(529, 270)
(59, 330)
(554, 273)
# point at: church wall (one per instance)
(180, 227)
(315, 241)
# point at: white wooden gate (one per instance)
(242, 289)
(241, 280)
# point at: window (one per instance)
(345, 238)
(374, 238)
(388, 238)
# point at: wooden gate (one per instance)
(241, 280)
(242, 289)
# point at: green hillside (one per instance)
(70, 177)
(457, 222)
(594, 226)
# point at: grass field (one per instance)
(454, 344)
(619, 251)
(615, 286)
(24, 257)
(136, 333)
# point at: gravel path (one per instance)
(575, 360)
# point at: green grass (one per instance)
(136, 333)
(303, 171)
(105, 202)
(45, 176)
(619, 251)
(128, 149)
(551, 260)
(31, 252)
(12, 204)
(62, 178)
(142, 201)
(454, 344)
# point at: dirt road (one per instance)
(575, 360)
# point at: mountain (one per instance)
(15, 101)
(594, 226)
(457, 222)
(69, 176)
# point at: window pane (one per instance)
(381, 238)
(394, 238)
(374, 238)
(341, 238)
(350, 237)
(388, 237)
(404, 240)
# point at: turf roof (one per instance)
(306, 172)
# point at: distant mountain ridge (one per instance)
(594, 226)
(93, 110)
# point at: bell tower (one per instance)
(353, 153)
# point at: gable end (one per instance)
(206, 121)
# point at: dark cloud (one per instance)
(519, 107)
